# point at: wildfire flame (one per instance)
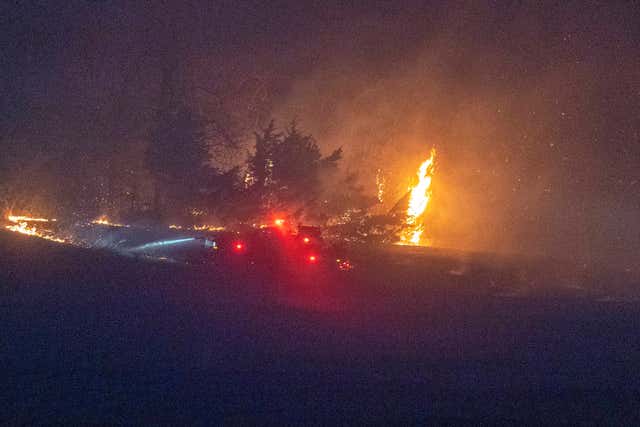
(21, 225)
(18, 218)
(418, 202)
(380, 185)
(23, 228)
(203, 227)
(104, 220)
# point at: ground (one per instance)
(410, 337)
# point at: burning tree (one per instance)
(419, 196)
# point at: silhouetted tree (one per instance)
(177, 155)
(260, 163)
(177, 158)
(285, 172)
(185, 144)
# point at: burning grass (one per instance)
(32, 226)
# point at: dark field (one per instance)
(410, 337)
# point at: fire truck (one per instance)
(277, 247)
(274, 247)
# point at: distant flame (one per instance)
(202, 227)
(418, 202)
(380, 185)
(104, 220)
(21, 225)
(18, 218)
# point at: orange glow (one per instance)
(306, 240)
(418, 202)
(312, 258)
(239, 246)
(18, 218)
(207, 227)
(380, 185)
(279, 222)
(23, 228)
(21, 225)
(104, 220)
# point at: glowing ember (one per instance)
(380, 185)
(204, 227)
(418, 202)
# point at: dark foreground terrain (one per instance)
(411, 337)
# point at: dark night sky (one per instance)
(534, 109)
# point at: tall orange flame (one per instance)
(418, 202)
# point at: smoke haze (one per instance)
(534, 111)
(532, 119)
